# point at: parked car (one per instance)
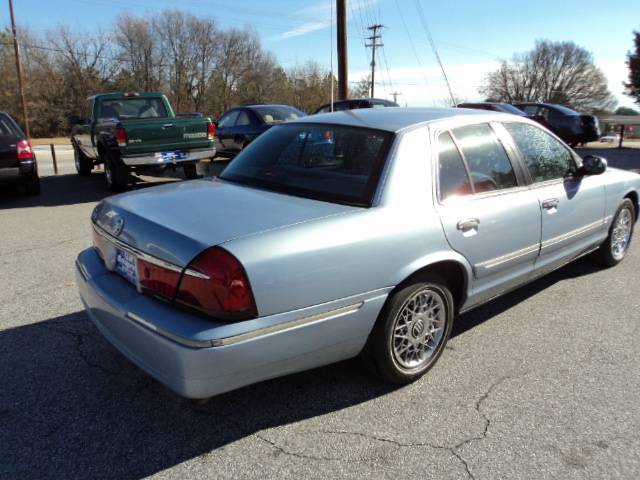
(18, 165)
(569, 125)
(355, 103)
(494, 107)
(319, 254)
(610, 138)
(140, 133)
(239, 126)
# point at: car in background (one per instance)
(356, 103)
(368, 244)
(138, 132)
(610, 138)
(241, 125)
(18, 165)
(493, 107)
(569, 125)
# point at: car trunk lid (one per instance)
(178, 221)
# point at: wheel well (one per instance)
(450, 271)
(633, 196)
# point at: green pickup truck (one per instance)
(139, 133)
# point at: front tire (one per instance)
(412, 331)
(614, 248)
(83, 164)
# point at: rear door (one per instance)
(224, 131)
(487, 212)
(572, 207)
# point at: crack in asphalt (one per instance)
(79, 338)
(453, 450)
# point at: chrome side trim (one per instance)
(494, 262)
(243, 337)
(83, 271)
(572, 233)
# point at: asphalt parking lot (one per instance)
(543, 383)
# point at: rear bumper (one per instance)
(156, 158)
(199, 358)
(18, 174)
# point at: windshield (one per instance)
(565, 110)
(272, 115)
(333, 163)
(132, 108)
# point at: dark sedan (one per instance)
(494, 107)
(355, 103)
(17, 160)
(569, 125)
(241, 125)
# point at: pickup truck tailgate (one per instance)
(162, 134)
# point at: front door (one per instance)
(487, 212)
(572, 206)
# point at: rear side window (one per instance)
(486, 158)
(546, 158)
(228, 119)
(132, 108)
(452, 174)
(243, 119)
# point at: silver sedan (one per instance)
(360, 232)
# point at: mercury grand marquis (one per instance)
(357, 232)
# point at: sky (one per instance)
(470, 36)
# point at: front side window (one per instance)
(452, 174)
(133, 108)
(546, 158)
(333, 163)
(488, 163)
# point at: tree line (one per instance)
(199, 65)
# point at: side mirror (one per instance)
(593, 165)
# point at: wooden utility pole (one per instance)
(16, 47)
(343, 75)
(395, 96)
(374, 44)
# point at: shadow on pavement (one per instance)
(73, 407)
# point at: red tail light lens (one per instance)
(211, 130)
(121, 137)
(157, 280)
(24, 150)
(216, 284)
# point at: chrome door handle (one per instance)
(468, 224)
(167, 125)
(550, 203)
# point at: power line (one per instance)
(433, 47)
(373, 45)
(413, 46)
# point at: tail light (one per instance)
(121, 136)
(157, 280)
(216, 284)
(24, 150)
(211, 130)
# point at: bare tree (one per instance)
(554, 72)
(139, 51)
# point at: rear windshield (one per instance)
(272, 115)
(333, 163)
(132, 108)
(7, 128)
(507, 108)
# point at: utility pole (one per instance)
(16, 47)
(343, 76)
(395, 96)
(373, 45)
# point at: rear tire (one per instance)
(615, 247)
(83, 164)
(190, 171)
(116, 173)
(32, 188)
(411, 331)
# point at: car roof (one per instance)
(396, 119)
(122, 94)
